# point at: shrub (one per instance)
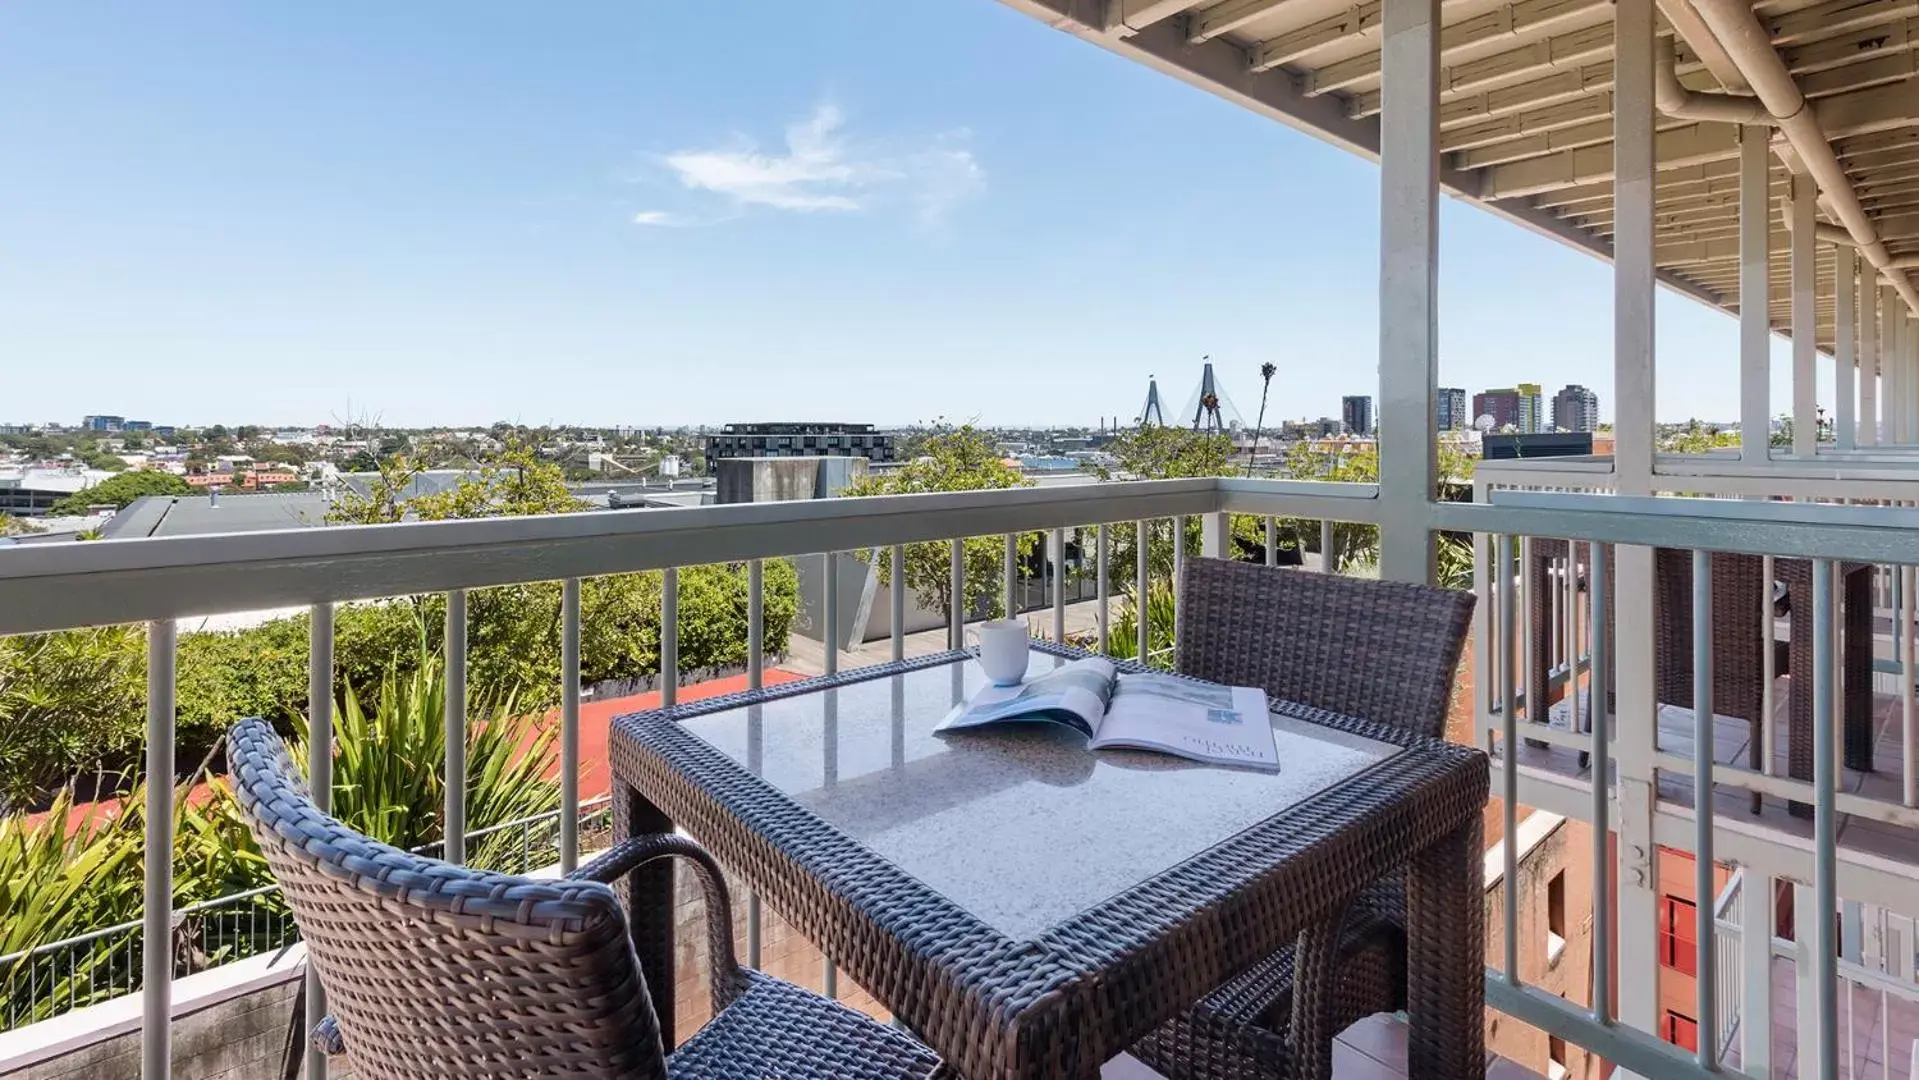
(121, 490)
(388, 762)
(74, 701)
(67, 701)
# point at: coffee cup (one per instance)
(1001, 650)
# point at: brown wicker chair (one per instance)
(439, 970)
(1382, 651)
(1738, 642)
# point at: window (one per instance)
(1555, 918)
(1681, 1030)
(1678, 935)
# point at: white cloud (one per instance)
(823, 170)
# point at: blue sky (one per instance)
(651, 213)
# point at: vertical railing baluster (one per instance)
(1528, 586)
(1179, 555)
(1059, 586)
(1272, 540)
(1508, 757)
(1569, 631)
(956, 629)
(1768, 671)
(669, 637)
(898, 577)
(319, 782)
(156, 996)
(1143, 631)
(1598, 694)
(1824, 832)
(1104, 541)
(453, 846)
(1704, 1004)
(1011, 572)
(1908, 673)
(1328, 548)
(830, 614)
(756, 623)
(569, 725)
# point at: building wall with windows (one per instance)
(1356, 413)
(1555, 945)
(1677, 922)
(1532, 412)
(1575, 408)
(1502, 405)
(798, 440)
(1450, 407)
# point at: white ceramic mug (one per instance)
(1001, 649)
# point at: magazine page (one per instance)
(1222, 725)
(1074, 694)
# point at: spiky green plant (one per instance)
(1123, 642)
(388, 762)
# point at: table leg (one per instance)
(649, 903)
(1446, 956)
(1857, 646)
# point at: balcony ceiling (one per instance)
(1526, 125)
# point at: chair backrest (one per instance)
(432, 969)
(1379, 650)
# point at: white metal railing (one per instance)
(1622, 747)
(59, 976)
(159, 581)
(1728, 918)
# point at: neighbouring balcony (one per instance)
(1567, 954)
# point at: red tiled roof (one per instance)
(596, 718)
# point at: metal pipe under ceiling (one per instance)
(1736, 29)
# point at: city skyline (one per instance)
(594, 219)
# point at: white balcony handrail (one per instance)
(65, 586)
(58, 586)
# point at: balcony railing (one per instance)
(161, 581)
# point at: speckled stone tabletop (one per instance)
(1021, 825)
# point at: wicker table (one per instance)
(1031, 909)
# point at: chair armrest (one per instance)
(629, 855)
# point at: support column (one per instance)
(1805, 404)
(1408, 286)
(1755, 969)
(1890, 367)
(1633, 360)
(1845, 424)
(1908, 371)
(1868, 356)
(1755, 292)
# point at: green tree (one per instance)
(962, 460)
(67, 700)
(121, 490)
(1154, 452)
(1698, 438)
(516, 482)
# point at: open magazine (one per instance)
(1219, 725)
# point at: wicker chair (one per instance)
(439, 970)
(1381, 651)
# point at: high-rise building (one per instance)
(1532, 410)
(1356, 411)
(1501, 405)
(1575, 408)
(1449, 408)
